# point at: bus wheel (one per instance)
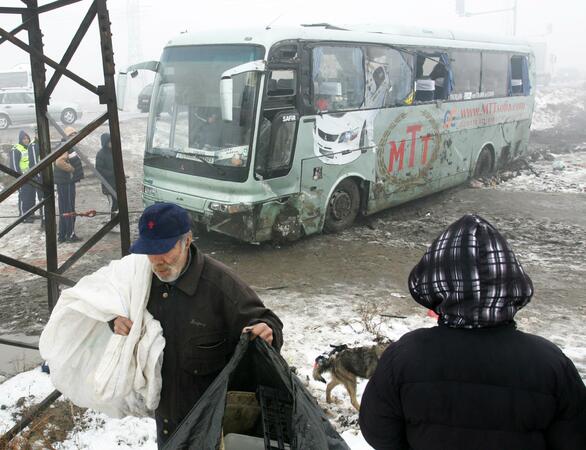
(343, 207)
(484, 164)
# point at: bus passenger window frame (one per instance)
(441, 57)
(335, 45)
(281, 118)
(519, 81)
(488, 68)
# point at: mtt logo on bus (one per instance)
(279, 133)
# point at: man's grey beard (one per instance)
(171, 278)
(175, 271)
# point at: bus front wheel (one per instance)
(343, 207)
(484, 164)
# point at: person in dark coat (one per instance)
(202, 306)
(19, 162)
(34, 156)
(68, 171)
(474, 381)
(105, 166)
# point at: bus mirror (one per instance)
(226, 87)
(121, 90)
(226, 84)
(122, 80)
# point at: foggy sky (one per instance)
(143, 32)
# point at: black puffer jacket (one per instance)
(474, 381)
(484, 388)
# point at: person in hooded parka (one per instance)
(474, 381)
(105, 166)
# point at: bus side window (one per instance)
(433, 76)
(466, 68)
(338, 78)
(495, 74)
(519, 82)
(281, 83)
(388, 77)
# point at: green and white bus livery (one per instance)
(272, 134)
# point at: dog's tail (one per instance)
(320, 366)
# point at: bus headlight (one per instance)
(230, 208)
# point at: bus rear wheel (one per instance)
(484, 164)
(343, 207)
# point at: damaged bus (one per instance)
(272, 134)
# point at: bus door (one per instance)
(275, 144)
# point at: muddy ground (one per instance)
(543, 216)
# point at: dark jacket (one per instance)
(473, 382)
(485, 388)
(34, 156)
(202, 315)
(60, 176)
(105, 163)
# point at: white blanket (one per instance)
(90, 365)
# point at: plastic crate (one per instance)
(275, 406)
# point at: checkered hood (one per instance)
(470, 276)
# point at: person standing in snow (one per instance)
(473, 381)
(19, 162)
(105, 166)
(202, 306)
(68, 171)
(34, 156)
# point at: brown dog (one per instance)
(345, 365)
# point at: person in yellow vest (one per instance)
(19, 161)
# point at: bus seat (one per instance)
(424, 90)
(285, 86)
(516, 86)
(272, 87)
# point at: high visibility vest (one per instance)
(23, 157)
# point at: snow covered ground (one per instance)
(311, 324)
(315, 320)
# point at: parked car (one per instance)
(18, 106)
(144, 98)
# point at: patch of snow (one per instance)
(105, 433)
(33, 386)
(571, 179)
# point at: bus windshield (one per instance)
(186, 130)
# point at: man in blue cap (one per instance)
(203, 307)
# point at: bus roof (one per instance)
(376, 34)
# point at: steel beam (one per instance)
(39, 54)
(109, 97)
(79, 35)
(18, 344)
(89, 244)
(10, 10)
(18, 221)
(15, 174)
(106, 93)
(35, 38)
(36, 270)
(18, 29)
(55, 5)
(51, 157)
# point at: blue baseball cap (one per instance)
(159, 228)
